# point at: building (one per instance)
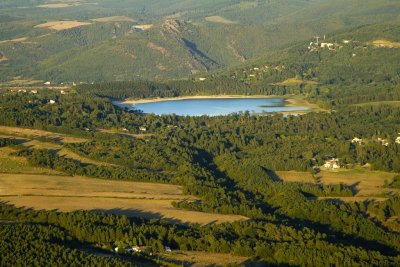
(47, 83)
(52, 101)
(34, 92)
(167, 249)
(332, 164)
(397, 140)
(202, 79)
(356, 140)
(327, 45)
(142, 129)
(139, 249)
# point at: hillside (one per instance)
(89, 41)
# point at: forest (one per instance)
(229, 165)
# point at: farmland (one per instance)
(65, 193)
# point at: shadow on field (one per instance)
(136, 213)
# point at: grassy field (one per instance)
(114, 19)
(379, 103)
(386, 44)
(33, 133)
(199, 259)
(67, 193)
(369, 184)
(60, 25)
(219, 19)
(11, 164)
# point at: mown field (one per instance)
(367, 184)
(26, 186)
(65, 193)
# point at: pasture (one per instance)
(369, 184)
(60, 25)
(65, 193)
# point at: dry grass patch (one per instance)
(219, 19)
(33, 133)
(199, 259)
(12, 164)
(17, 40)
(114, 19)
(65, 152)
(66, 193)
(158, 48)
(60, 25)
(386, 44)
(143, 27)
(138, 136)
(368, 183)
(59, 5)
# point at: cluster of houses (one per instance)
(383, 142)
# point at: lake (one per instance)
(216, 106)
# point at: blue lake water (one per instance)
(216, 106)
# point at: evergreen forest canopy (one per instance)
(231, 164)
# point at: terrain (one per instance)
(85, 181)
(88, 41)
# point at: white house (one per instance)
(138, 249)
(34, 92)
(47, 83)
(397, 140)
(52, 101)
(142, 129)
(332, 164)
(356, 140)
(327, 45)
(202, 79)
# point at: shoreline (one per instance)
(288, 101)
(160, 99)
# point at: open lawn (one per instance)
(67, 193)
(369, 184)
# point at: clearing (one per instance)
(219, 19)
(386, 44)
(369, 184)
(199, 259)
(143, 27)
(295, 81)
(60, 5)
(124, 133)
(33, 133)
(60, 25)
(17, 40)
(65, 193)
(379, 103)
(12, 164)
(114, 19)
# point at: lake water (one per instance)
(216, 106)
